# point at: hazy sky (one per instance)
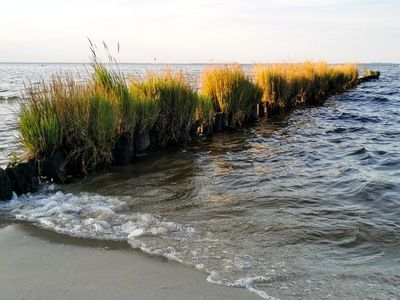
(202, 30)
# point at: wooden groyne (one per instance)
(70, 129)
(370, 75)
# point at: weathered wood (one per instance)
(52, 167)
(373, 75)
(142, 141)
(124, 151)
(5, 186)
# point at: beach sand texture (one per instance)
(37, 264)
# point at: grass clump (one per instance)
(176, 106)
(231, 92)
(342, 77)
(113, 84)
(41, 131)
(78, 119)
(287, 85)
(147, 99)
(97, 143)
(205, 113)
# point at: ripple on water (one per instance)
(304, 205)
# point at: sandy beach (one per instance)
(38, 264)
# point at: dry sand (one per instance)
(37, 264)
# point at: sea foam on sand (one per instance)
(105, 218)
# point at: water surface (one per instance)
(306, 205)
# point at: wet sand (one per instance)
(38, 264)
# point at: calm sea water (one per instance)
(306, 205)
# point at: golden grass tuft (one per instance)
(287, 85)
(147, 99)
(231, 91)
(176, 106)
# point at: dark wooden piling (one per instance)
(142, 141)
(373, 75)
(124, 150)
(5, 186)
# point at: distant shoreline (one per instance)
(184, 63)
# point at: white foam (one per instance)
(86, 215)
(103, 217)
(246, 282)
(199, 266)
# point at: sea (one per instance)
(301, 205)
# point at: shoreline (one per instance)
(40, 264)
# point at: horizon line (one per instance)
(189, 63)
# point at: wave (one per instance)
(84, 215)
(99, 217)
(361, 150)
(245, 282)
(345, 130)
(360, 118)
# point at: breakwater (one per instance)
(69, 129)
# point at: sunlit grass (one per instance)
(113, 84)
(231, 91)
(147, 99)
(287, 85)
(177, 105)
(86, 119)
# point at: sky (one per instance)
(201, 31)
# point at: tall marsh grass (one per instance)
(147, 99)
(231, 91)
(113, 84)
(76, 118)
(287, 85)
(87, 120)
(205, 113)
(41, 131)
(176, 106)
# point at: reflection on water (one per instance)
(304, 205)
